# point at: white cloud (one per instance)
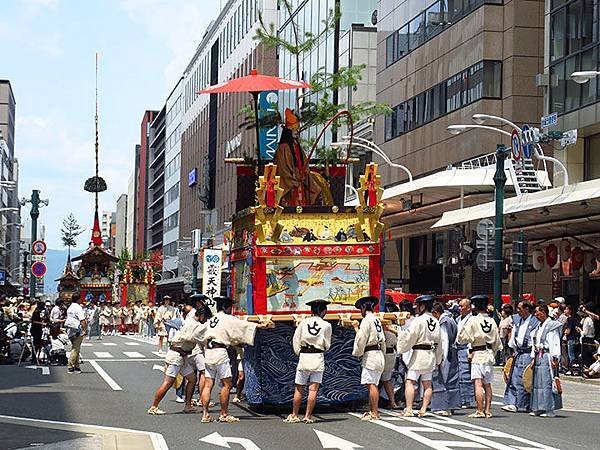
(57, 162)
(180, 24)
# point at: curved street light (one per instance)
(539, 152)
(371, 146)
(584, 76)
(480, 119)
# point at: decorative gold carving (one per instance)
(370, 208)
(269, 211)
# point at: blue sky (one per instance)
(47, 52)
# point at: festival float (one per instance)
(68, 282)
(293, 241)
(137, 282)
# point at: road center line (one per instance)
(106, 377)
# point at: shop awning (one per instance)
(561, 211)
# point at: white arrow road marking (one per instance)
(133, 355)
(103, 355)
(331, 441)
(158, 367)
(223, 441)
(473, 436)
(45, 369)
(106, 377)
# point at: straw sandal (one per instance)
(408, 413)
(488, 415)
(206, 419)
(228, 419)
(477, 415)
(154, 411)
(292, 419)
(308, 420)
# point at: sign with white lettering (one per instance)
(269, 136)
(549, 120)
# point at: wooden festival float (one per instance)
(137, 281)
(68, 283)
(290, 249)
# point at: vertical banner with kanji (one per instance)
(212, 262)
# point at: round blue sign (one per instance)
(515, 141)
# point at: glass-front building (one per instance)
(308, 16)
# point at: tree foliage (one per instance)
(316, 106)
(69, 232)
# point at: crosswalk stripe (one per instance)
(160, 355)
(109, 344)
(85, 344)
(133, 355)
(103, 355)
(131, 343)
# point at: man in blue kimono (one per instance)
(465, 385)
(515, 396)
(446, 395)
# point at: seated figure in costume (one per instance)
(300, 186)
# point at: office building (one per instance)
(9, 220)
(156, 183)
(210, 123)
(121, 225)
(130, 215)
(439, 63)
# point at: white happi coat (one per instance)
(481, 330)
(316, 332)
(390, 343)
(227, 330)
(423, 330)
(190, 335)
(370, 333)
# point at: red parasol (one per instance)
(255, 84)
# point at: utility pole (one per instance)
(36, 202)
(500, 182)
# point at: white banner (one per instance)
(212, 261)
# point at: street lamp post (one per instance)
(499, 182)
(36, 202)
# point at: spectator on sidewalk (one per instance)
(588, 332)
(570, 337)
(505, 328)
(594, 369)
(76, 326)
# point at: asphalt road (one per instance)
(121, 398)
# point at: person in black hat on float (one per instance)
(179, 360)
(224, 330)
(424, 338)
(481, 333)
(369, 345)
(312, 339)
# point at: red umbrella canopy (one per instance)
(254, 83)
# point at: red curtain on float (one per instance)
(124, 294)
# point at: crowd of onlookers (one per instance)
(580, 353)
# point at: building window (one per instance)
(172, 194)
(482, 80)
(171, 222)
(429, 23)
(574, 46)
(170, 249)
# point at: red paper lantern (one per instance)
(577, 258)
(551, 255)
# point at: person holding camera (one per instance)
(76, 326)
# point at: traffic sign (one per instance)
(549, 120)
(527, 146)
(515, 144)
(25, 280)
(2, 277)
(38, 247)
(38, 269)
(38, 257)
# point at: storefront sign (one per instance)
(556, 283)
(233, 144)
(193, 177)
(549, 120)
(212, 261)
(269, 136)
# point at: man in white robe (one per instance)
(312, 339)
(369, 345)
(224, 330)
(481, 333)
(424, 338)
